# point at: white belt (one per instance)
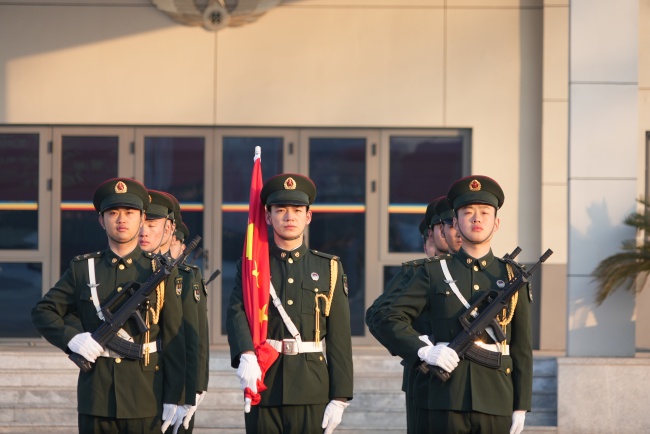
(152, 346)
(503, 349)
(293, 347)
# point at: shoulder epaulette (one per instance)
(325, 255)
(194, 266)
(87, 255)
(184, 267)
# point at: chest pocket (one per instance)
(445, 304)
(310, 289)
(86, 310)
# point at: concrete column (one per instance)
(555, 105)
(603, 142)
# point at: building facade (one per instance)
(383, 103)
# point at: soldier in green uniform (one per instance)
(447, 229)
(434, 244)
(475, 398)
(156, 236)
(203, 378)
(118, 394)
(311, 381)
(195, 316)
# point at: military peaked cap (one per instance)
(475, 189)
(432, 215)
(120, 192)
(177, 208)
(288, 189)
(424, 227)
(443, 211)
(182, 232)
(161, 206)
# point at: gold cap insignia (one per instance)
(120, 187)
(475, 185)
(290, 184)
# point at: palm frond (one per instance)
(621, 270)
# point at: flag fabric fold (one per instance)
(256, 278)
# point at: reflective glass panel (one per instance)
(338, 168)
(86, 162)
(421, 169)
(19, 180)
(19, 293)
(176, 165)
(238, 153)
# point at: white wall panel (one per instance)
(596, 214)
(604, 41)
(603, 133)
(328, 66)
(103, 65)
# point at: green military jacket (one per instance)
(192, 289)
(203, 375)
(308, 378)
(117, 387)
(471, 387)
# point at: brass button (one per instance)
(446, 292)
(507, 370)
(289, 302)
(475, 268)
(114, 260)
(119, 288)
(484, 263)
(320, 358)
(290, 260)
(91, 297)
(476, 287)
(121, 266)
(283, 255)
(469, 261)
(157, 368)
(315, 289)
(290, 280)
(297, 254)
(128, 261)
(118, 360)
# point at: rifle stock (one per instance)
(126, 305)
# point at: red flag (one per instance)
(256, 278)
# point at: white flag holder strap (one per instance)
(283, 313)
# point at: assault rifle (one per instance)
(491, 303)
(117, 311)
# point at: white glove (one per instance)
(439, 355)
(248, 373)
(333, 415)
(177, 420)
(192, 409)
(86, 346)
(518, 417)
(169, 410)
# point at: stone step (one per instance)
(38, 395)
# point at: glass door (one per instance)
(25, 172)
(83, 159)
(337, 162)
(237, 149)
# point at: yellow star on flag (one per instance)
(263, 313)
